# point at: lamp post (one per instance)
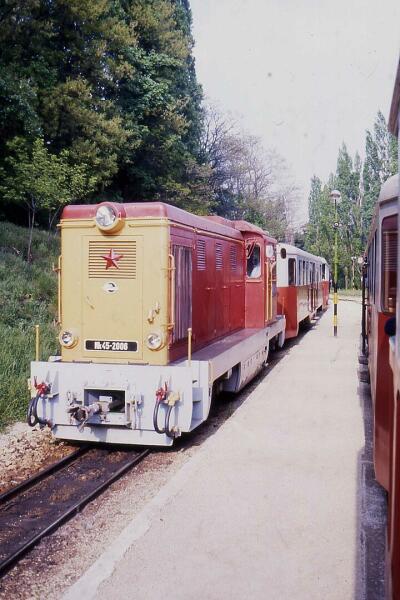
(335, 196)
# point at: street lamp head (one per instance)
(335, 195)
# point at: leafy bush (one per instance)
(27, 297)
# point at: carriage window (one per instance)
(389, 264)
(292, 271)
(323, 272)
(253, 261)
(371, 271)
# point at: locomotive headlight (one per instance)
(68, 339)
(106, 217)
(154, 341)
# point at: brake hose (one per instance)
(32, 416)
(155, 417)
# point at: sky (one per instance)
(303, 75)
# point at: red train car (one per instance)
(394, 357)
(303, 286)
(381, 340)
(381, 257)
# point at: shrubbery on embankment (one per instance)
(28, 296)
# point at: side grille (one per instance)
(119, 256)
(201, 255)
(233, 258)
(218, 256)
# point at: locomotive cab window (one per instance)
(389, 264)
(253, 261)
(292, 271)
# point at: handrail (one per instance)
(58, 271)
(59, 305)
(37, 342)
(171, 270)
(189, 332)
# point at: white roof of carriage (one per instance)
(294, 251)
(390, 189)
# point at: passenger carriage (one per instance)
(303, 286)
(381, 284)
(394, 356)
(382, 337)
(157, 307)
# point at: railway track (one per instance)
(37, 506)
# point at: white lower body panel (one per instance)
(233, 361)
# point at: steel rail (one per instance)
(31, 481)
(13, 558)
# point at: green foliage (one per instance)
(40, 180)
(110, 88)
(320, 231)
(27, 297)
(359, 186)
(380, 163)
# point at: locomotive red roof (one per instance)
(212, 224)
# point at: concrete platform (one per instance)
(269, 508)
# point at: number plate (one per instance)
(111, 345)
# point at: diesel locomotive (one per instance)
(158, 310)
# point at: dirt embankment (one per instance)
(25, 451)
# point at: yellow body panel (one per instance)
(124, 302)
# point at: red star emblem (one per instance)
(111, 259)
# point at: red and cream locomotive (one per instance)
(157, 308)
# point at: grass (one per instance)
(27, 297)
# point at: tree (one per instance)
(113, 84)
(348, 181)
(248, 181)
(41, 180)
(380, 163)
(319, 232)
(160, 102)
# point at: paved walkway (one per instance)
(269, 507)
